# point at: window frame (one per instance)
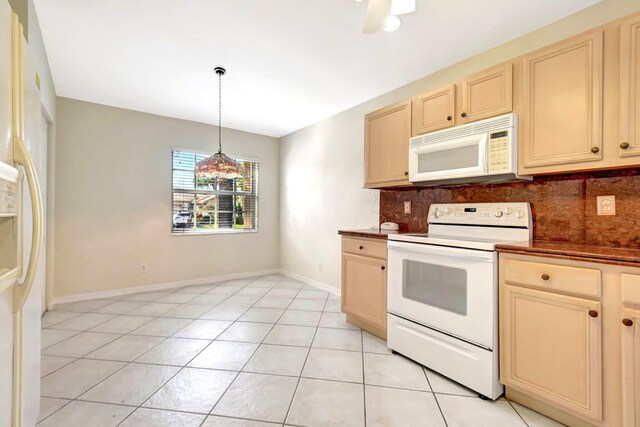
(212, 231)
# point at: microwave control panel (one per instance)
(8, 198)
(499, 152)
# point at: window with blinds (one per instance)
(219, 205)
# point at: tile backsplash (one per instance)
(564, 206)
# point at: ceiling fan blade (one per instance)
(377, 12)
(400, 7)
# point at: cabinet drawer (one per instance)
(365, 247)
(631, 288)
(553, 277)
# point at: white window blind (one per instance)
(212, 206)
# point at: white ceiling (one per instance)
(290, 63)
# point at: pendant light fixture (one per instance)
(219, 165)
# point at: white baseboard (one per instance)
(156, 287)
(323, 286)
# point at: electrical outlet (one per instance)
(606, 205)
(143, 268)
(319, 266)
(407, 207)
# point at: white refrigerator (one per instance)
(21, 218)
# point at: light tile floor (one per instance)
(265, 351)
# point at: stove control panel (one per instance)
(499, 214)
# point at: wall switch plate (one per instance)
(407, 207)
(606, 205)
(143, 268)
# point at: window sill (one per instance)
(216, 232)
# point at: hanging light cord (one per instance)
(219, 112)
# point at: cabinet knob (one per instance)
(595, 149)
(464, 114)
(624, 145)
(383, 267)
(361, 247)
(545, 277)
(449, 118)
(593, 313)
(406, 173)
(627, 322)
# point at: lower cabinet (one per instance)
(552, 348)
(570, 338)
(364, 284)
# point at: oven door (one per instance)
(459, 158)
(451, 290)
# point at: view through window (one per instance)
(217, 205)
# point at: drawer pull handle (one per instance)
(383, 267)
(545, 277)
(361, 247)
(627, 322)
(594, 150)
(624, 145)
(593, 313)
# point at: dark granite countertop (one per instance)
(368, 233)
(577, 251)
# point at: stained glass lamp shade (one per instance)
(219, 165)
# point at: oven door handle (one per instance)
(442, 251)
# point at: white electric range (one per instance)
(443, 290)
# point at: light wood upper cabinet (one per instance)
(631, 367)
(487, 94)
(562, 106)
(434, 110)
(551, 349)
(629, 144)
(386, 146)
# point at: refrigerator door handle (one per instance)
(21, 157)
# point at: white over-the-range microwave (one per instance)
(485, 151)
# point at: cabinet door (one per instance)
(629, 144)
(562, 111)
(434, 110)
(386, 146)
(631, 367)
(364, 288)
(487, 94)
(551, 349)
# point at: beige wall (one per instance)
(322, 165)
(113, 202)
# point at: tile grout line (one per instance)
(109, 376)
(424, 372)
(254, 352)
(127, 363)
(517, 412)
(191, 360)
(245, 364)
(181, 368)
(295, 390)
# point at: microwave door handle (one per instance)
(483, 154)
(21, 157)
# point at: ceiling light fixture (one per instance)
(219, 165)
(392, 23)
(400, 7)
(383, 14)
